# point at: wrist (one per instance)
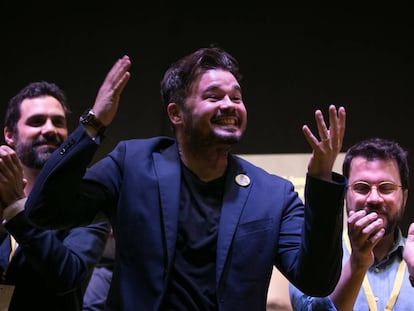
(89, 120)
(13, 209)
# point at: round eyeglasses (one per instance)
(383, 188)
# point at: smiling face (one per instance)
(40, 130)
(389, 206)
(214, 112)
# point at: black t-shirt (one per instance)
(193, 280)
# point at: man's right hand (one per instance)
(364, 231)
(107, 100)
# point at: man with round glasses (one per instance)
(374, 274)
(384, 188)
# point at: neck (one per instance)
(207, 165)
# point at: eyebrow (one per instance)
(214, 87)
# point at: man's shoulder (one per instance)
(143, 147)
(256, 171)
(156, 142)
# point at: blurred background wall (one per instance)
(295, 59)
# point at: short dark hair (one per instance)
(382, 149)
(180, 76)
(32, 90)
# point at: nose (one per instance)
(49, 127)
(227, 103)
(374, 194)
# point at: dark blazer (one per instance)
(50, 268)
(138, 185)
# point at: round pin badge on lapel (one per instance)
(242, 180)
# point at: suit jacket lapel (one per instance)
(168, 170)
(234, 201)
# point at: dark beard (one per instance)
(390, 228)
(200, 140)
(30, 157)
(206, 141)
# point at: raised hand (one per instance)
(12, 182)
(107, 100)
(325, 149)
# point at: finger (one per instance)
(354, 216)
(14, 160)
(6, 149)
(337, 125)
(362, 226)
(310, 138)
(373, 227)
(376, 237)
(366, 219)
(342, 122)
(10, 163)
(333, 121)
(122, 83)
(321, 125)
(117, 73)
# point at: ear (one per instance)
(174, 113)
(8, 137)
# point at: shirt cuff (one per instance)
(13, 209)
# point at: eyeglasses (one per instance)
(383, 188)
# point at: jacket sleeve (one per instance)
(60, 199)
(319, 261)
(64, 257)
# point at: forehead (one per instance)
(363, 169)
(44, 105)
(217, 78)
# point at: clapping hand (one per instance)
(12, 182)
(409, 250)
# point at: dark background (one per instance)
(295, 59)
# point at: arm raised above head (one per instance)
(56, 200)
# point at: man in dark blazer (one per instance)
(40, 269)
(196, 227)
